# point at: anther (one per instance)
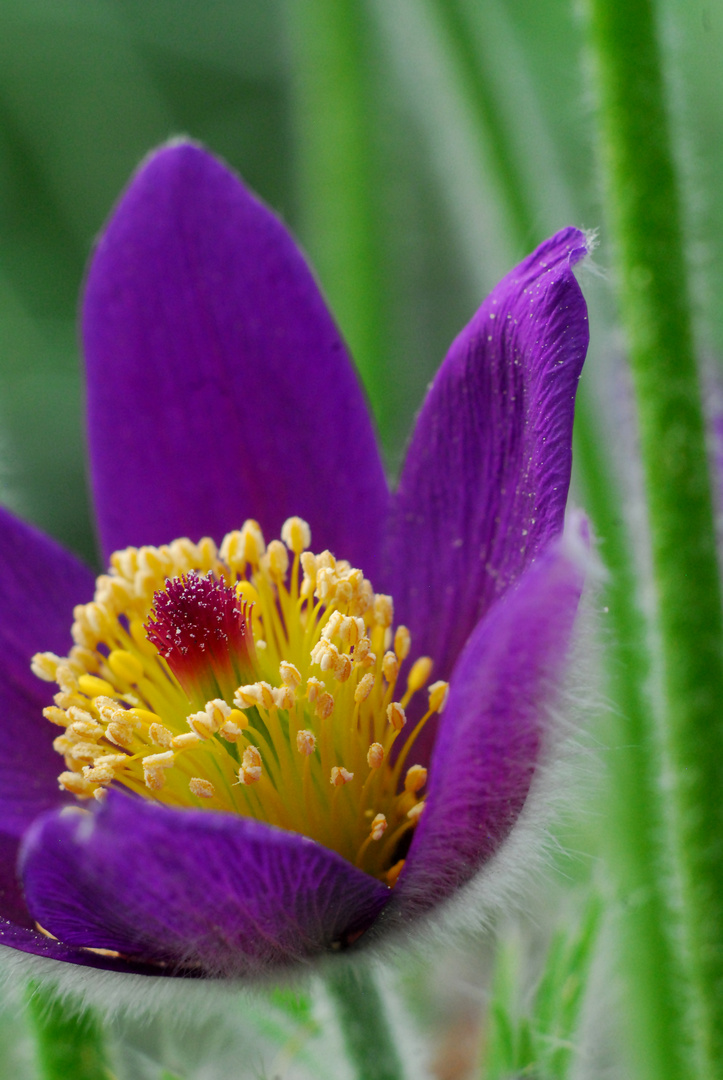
(56, 715)
(438, 694)
(364, 688)
(103, 772)
(234, 726)
(415, 779)
(416, 812)
(243, 546)
(351, 630)
(402, 643)
(305, 742)
(324, 706)
(419, 673)
(160, 735)
(188, 739)
(203, 788)
(251, 766)
(125, 666)
(284, 697)
(396, 716)
(119, 733)
(154, 767)
(45, 666)
(340, 776)
(375, 756)
(343, 667)
(290, 675)
(379, 827)
(75, 784)
(276, 560)
(296, 534)
(93, 686)
(363, 654)
(383, 610)
(314, 688)
(390, 667)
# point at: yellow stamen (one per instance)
(320, 661)
(203, 788)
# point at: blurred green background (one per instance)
(418, 148)
(360, 123)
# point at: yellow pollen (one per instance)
(56, 715)
(438, 694)
(415, 779)
(375, 756)
(390, 667)
(125, 665)
(251, 766)
(383, 610)
(364, 688)
(396, 716)
(305, 742)
(186, 740)
(419, 674)
(379, 827)
(402, 643)
(290, 675)
(296, 534)
(341, 776)
(203, 788)
(92, 685)
(160, 735)
(287, 665)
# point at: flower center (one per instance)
(253, 679)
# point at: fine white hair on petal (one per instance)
(570, 766)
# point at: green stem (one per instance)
(454, 19)
(634, 816)
(363, 1022)
(69, 1039)
(335, 127)
(644, 211)
(647, 951)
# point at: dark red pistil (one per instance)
(201, 629)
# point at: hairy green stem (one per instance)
(647, 953)
(363, 1022)
(68, 1039)
(635, 818)
(644, 212)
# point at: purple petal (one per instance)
(31, 941)
(489, 737)
(485, 481)
(40, 583)
(194, 889)
(218, 385)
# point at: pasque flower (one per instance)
(298, 703)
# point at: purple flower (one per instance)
(218, 390)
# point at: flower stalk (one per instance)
(68, 1039)
(363, 1022)
(644, 212)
